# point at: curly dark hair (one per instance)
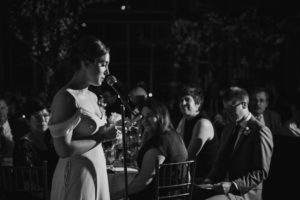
(88, 48)
(34, 105)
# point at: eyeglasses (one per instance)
(230, 107)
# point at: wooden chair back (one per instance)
(25, 180)
(174, 180)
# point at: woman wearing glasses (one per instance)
(36, 146)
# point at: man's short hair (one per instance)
(236, 94)
(259, 90)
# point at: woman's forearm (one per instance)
(146, 174)
(74, 147)
(67, 146)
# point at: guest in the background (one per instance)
(111, 101)
(138, 97)
(160, 142)
(292, 126)
(36, 146)
(6, 136)
(245, 152)
(15, 101)
(285, 157)
(220, 119)
(259, 102)
(197, 132)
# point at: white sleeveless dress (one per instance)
(80, 177)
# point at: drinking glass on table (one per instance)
(110, 155)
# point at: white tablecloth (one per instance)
(116, 179)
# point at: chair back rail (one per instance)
(25, 179)
(174, 180)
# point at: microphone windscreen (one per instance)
(110, 79)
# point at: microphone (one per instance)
(112, 82)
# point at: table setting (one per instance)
(114, 154)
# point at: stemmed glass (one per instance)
(110, 154)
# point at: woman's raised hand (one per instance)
(106, 133)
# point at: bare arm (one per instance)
(63, 108)
(65, 146)
(202, 132)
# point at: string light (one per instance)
(125, 5)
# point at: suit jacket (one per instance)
(272, 121)
(248, 165)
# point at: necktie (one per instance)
(231, 143)
(259, 117)
(234, 137)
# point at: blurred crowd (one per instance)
(25, 139)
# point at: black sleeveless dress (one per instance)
(171, 145)
(208, 153)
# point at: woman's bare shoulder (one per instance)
(205, 127)
(203, 122)
(63, 106)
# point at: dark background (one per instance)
(138, 38)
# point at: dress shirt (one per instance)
(8, 144)
(7, 131)
(260, 118)
(2, 140)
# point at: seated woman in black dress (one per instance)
(36, 145)
(160, 142)
(198, 134)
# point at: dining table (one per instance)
(116, 177)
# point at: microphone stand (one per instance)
(124, 149)
(111, 81)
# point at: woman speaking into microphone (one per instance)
(78, 127)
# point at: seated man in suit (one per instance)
(259, 102)
(245, 152)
